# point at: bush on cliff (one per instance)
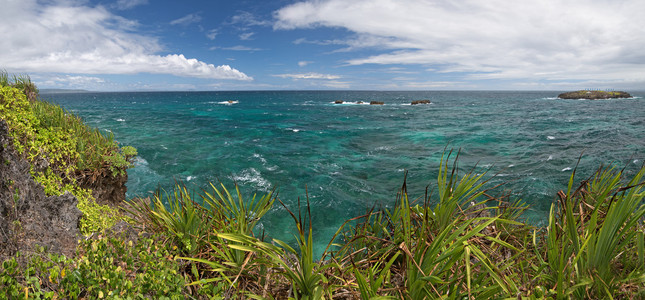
(59, 146)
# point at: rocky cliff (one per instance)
(27, 216)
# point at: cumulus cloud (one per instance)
(63, 37)
(304, 63)
(308, 76)
(187, 20)
(495, 39)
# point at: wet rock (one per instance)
(338, 102)
(377, 103)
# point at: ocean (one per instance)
(347, 158)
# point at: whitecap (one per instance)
(138, 161)
(229, 102)
(252, 176)
(511, 165)
(120, 120)
(566, 169)
(550, 157)
(635, 161)
(295, 130)
(352, 103)
(189, 178)
(262, 159)
(550, 137)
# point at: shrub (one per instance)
(43, 131)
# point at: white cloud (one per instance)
(247, 19)
(187, 20)
(304, 63)
(246, 36)
(128, 4)
(237, 48)
(495, 39)
(337, 84)
(69, 80)
(211, 34)
(308, 76)
(67, 38)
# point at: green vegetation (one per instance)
(110, 268)
(468, 245)
(465, 244)
(60, 147)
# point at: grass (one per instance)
(591, 249)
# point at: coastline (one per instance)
(487, 245)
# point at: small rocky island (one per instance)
(594, 95)
(416, 102)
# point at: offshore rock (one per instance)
(594, 95)
(420, 102)
(27, 216)
(377, 103)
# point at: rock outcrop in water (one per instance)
(420, 102)
(27, 216)
(377, 103)
(594, 95)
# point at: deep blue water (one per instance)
(351, 156)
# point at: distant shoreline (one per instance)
(63, 91)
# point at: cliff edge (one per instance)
(27, 216)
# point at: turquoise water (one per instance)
(350, 156)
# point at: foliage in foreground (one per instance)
(61, 148)
(107, 267)
(467, 245)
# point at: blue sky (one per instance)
(141, 45)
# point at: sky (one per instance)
(160, 45)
